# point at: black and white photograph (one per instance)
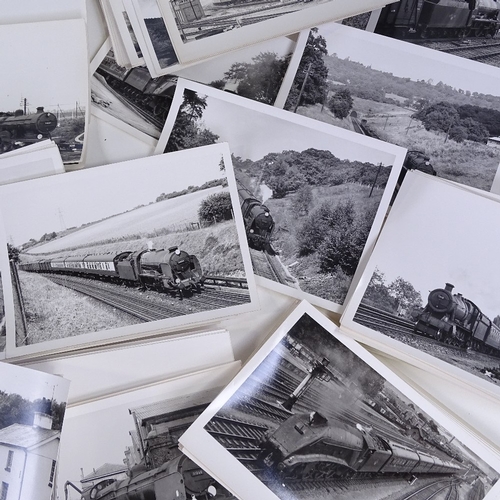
(126, 33)
(32, 408)
(128, 442)
(45, 98)
(445, 110)
(152, 36)
(463, 29)
(312, 196)
(134, 97)
(3, 330)
(429, 290)
(125, 249)
(327, 420)
(204, 28)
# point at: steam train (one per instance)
(440, 18)
(456, 320)
(20, 128)
(173, 271)
(177, 479)
(259, 223)
(308, 446)
(153, 95)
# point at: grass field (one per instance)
(468, 163)
(331, 286)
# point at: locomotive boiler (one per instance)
(20, 129)
(454, 319)
(440, 18)
(309, 446)
(171, 270)
(259, 224)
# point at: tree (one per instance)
(303, 200)
(313, 71)
(405, 295)
(340, 103)
(187, 132)
(216, 208)
(261, 79)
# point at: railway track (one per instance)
(482, 50)
(240, 438)
(432, 490)
(131, 304)
(269, 266)
(128, 300)
(382, 321)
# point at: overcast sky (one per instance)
(46, 63)
(32, 384)
(404, 59)
(429, 239)
(35, 207)
(235, 124)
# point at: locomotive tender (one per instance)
(177, 479)
(167, 271)
(19, 127)
(259, 224)
(307, 445)
(454, 319)
(440, 18)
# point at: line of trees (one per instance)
(397, 297)
(14, 409)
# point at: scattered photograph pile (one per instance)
(429, 291)
(125, 249)
(132, 97)
(314, 415)
(45, 98)
(32, 408)
(312, 196)
(445, 110)
(164, 34)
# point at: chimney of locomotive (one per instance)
(449, 287)
(39, 109)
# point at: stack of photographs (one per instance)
(165, 34)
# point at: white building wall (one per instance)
(35, 483)
(13, 477)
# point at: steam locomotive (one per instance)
(456, 320)
(308, 446)
(26, 129)
(153, 95)
(439, 18)
(166, 271)
(177, 479)
(259, 224)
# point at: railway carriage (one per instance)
(308, 446)
(171, 270)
